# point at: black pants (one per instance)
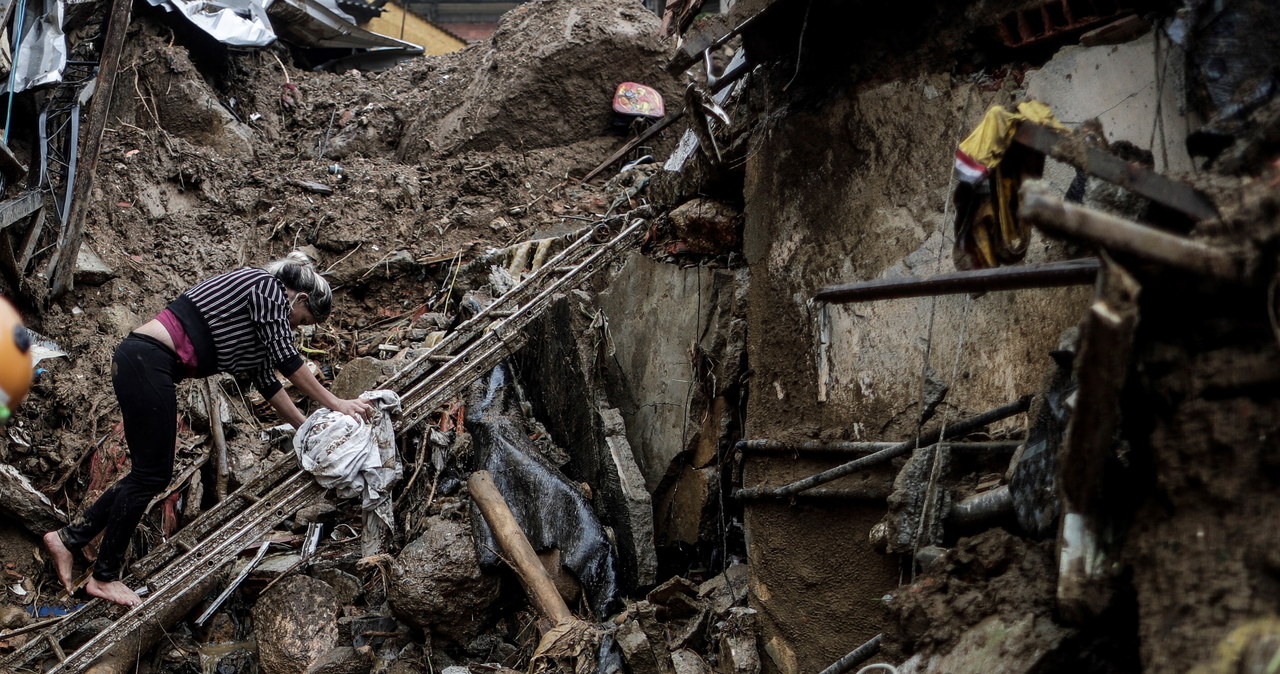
(145, 374)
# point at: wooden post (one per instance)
(537, 582)
(1049, 212)
(213, 402)
(64, 265)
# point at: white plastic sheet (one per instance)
(355, 458)
(42, 52)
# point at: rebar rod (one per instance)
(856, 447)
(1049, 275)
(959, 428)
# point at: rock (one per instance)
(784, 658)
(677, 597)
(437, 583)
(347, 586)
(739, 653)
(668, 591)
(295, 623)
(727, 589)
(685, 506)
(90, 269)
(344, 660)
(915, 512)
(708, 227)
(360, 375)
(636, 648)
(314, 513)
(997, 645)
(686, 661)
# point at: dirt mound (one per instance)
(546, 76)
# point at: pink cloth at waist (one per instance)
(181, 344)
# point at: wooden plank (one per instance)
(1102, 365)
(717, 31)
(31, 240)
(1040, 206)
(19, 207)
(519, 553)
(61, 276)
(1129, 175)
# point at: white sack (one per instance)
(353, 457)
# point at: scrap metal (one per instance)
(1049, 275)
(218, 535)
(956, 429)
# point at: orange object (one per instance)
(15, 359)
(638, 100)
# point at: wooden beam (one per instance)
(1102, 366)
(519, 553)
(1042, 207)
(20, 207)
(64, 265)
(1132, 176)
(1050, 275)
(717, 31)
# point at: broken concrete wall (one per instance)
(642, 385)
(659, 316)
(560, 371)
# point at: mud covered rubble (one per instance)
(395, 182)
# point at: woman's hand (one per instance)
(360, 409)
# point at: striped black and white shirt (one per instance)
(239, 322)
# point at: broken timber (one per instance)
(959, 428)
(718, 30)
(1102, 365)
(1050, 275)
(523, 560)
(198, 551)
(1129, 175)
(61, 272)
(19, 207)
(1048, 211)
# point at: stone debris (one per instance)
(296, 624)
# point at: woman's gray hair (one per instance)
(298, 273)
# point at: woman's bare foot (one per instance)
(62, 560)
(114, 591)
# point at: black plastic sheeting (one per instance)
(551, 509)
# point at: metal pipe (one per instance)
(855, 657)
(982, 507)
(1050, 275)
(837, 494)
(959, 428)
(851, 447)
(1043, 208)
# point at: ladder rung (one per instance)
(440, 358)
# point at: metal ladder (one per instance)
(218, 535)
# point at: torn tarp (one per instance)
(249, 23)
(319, 23)
(42, 53)
(238, 23)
